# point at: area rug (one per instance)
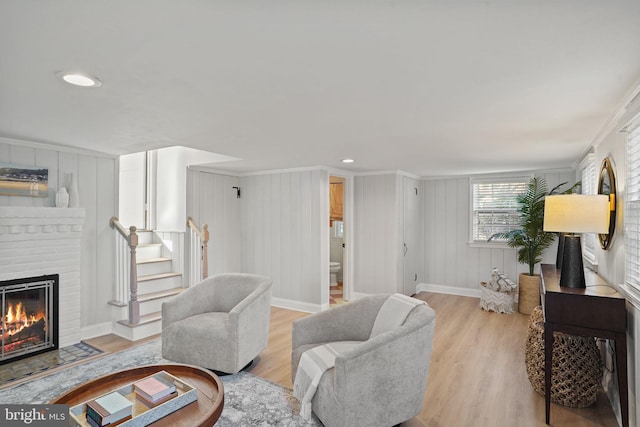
(248, 399)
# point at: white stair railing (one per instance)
(198, 252)
(126, 288)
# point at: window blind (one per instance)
(632, 211)
(495, 208)
(589, 187)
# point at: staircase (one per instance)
(157, 282)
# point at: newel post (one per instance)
(205, 258)
(134, 304)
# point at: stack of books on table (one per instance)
(108, 409)
(154, 390)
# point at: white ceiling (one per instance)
(428, 87)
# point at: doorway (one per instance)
(136, 203)
(338, 239)
(411, 234)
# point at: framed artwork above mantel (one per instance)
(23, 180)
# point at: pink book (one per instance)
(153, 388)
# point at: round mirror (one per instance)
(607, 185)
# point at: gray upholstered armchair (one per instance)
(221, 323)
(382, 380)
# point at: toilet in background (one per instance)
(334, 268)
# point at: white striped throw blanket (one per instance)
(317, 360)
(393, 313)
(313, 363)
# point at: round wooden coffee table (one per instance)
(204, 412)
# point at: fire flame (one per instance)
(17, 318)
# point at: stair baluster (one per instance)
(131, 239)
(198, 252)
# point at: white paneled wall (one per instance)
(633, 361)
(97, 179)
(285, 234)
(412, 236)
(211, 200)
(451, 263)
(279, 227)
(610, 377)
(376, 233)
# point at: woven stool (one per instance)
(576, 369)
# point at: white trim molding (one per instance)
(298, 305)
(56, 147)
(98, 330)
(449, 290)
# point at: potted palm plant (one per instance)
(530, 239)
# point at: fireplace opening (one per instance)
(29, 323)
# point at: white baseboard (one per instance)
(298, 305)
(358, 295)
(98, 330)
(438, 289)
(450, 290)
(106, 328)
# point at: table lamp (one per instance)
(571, 214)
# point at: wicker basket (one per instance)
(576, 368)
(500, 302)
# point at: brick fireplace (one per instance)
(36, 241)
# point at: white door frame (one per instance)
(348, 255)
(347, 237)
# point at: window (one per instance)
(494, 206)
(632, 211)
(588, 178)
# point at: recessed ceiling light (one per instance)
(348, 160)
(79, 79)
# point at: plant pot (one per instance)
(529, 292)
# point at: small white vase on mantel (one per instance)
(62, 198)
(74, 197)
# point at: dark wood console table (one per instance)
(595, 311)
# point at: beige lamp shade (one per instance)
(577, 213)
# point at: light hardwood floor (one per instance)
(477, 374)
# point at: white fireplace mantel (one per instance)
(13, 214)
(36, 241)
